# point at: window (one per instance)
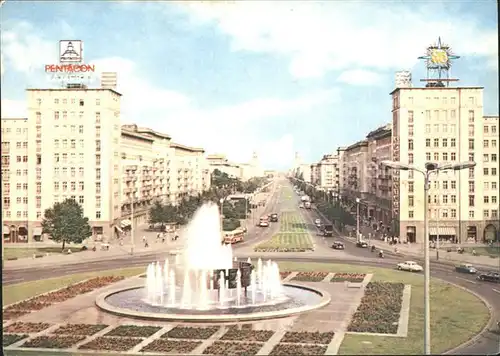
(486, 171)
(453, 184)
(82, 103)
(98, 102)
(493, 157)
(445, 184)
(471, 115)
(410, 158)
(81, 171)
(410, 174)
(471, 130)
(453, 128)
(453, 213)
(494, 213)
(485, 129)
(493, 185)
(427, 114)
(98, 202)
(97, 117)
(493, 129)
(485, 158)
(471, 186)
(471, 173)
(427, 128)
(436, 156)
(65, 186)
(471, 214)
(445, 213)
(73, 143)
(436, 184)
(445, 156)
(486, 186)
(471, 157)
(445, 199)
(410, 130)
(453, 142)
(453, 114)
(445, 142)
(493, 171)
(486, 143)
(486, 213)
(436, 142)
(80, 129)
(410, 200)
(97, 214)
(410, 116)
(410, 144)
(493, 143)
(436, 128)
(81, 199)
(81, 185)
(493, 199)
(471, 143)
(427, 142)
(410, 187)
(436, 114)
(471, 200)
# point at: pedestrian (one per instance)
(146, 243)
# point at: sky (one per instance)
(274, 77)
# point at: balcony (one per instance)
(131, 167)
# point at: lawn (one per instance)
(292, 222)
(290, 240)
(456, 315)
(17, 292)
(11, 253)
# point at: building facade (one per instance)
(73, 143)
(445, 126)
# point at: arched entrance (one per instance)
(13, 233)
(491, 233)
(22, 234)
(411, 234)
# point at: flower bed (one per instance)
(296, 349)
(53, 342)
(233, 348)
(236, 334)
(348, 277)
(71, 291)
(13, 314)
(310, 276)
(28, 305)
(379, 309)
(28, 328)
(187, 332)
(133, 331)
(79, 329)
(285, 274)
(307, 337)
(284, 249)
(172, 346)
(9, 339)
(111, 343)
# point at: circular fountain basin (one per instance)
(130, 302)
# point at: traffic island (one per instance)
(286, 242)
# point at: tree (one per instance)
(156, 213)
(65, 222)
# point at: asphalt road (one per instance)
(489, 343)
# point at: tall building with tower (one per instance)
(445, 125)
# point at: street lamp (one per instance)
(427, 171)
(357, 219)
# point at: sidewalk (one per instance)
(418, 251)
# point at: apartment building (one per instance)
(379, 187)
(355, 166)
(243, 171)
(73, 143)
(445, 125)
(315, 173)
(328, 172)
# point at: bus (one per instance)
(235, 236)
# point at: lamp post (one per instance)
(357, 219)
(426, 172)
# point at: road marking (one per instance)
(467, 280)
(496, 290)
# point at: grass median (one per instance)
(21, 291)
(292, 222)
(13, 253)
(456, 315)
(286, 242)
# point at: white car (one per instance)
(317, 222)
(263, 224)
(410, 266)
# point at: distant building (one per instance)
(109, 80)
(403, 79)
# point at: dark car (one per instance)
(362, 244)
(489, 277)
(337, 245)
(273, 217)
(466, 268)
(327, 230)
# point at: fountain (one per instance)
(207, 282)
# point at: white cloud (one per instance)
(323, 36)
(14, 108)
(360, 77)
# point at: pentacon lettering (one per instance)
(69, 68)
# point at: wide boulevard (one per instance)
(284, 199)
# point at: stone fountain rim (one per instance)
(102, 304)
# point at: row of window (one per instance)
(453, 200)
(19, 130)
(452, 213)
(73, 101)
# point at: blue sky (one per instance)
(272, 77)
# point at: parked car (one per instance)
(337, 245)
(489, 277)
(317, 222)
(273, 217)
(466, 268)
(362, 244)
(410, 266)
